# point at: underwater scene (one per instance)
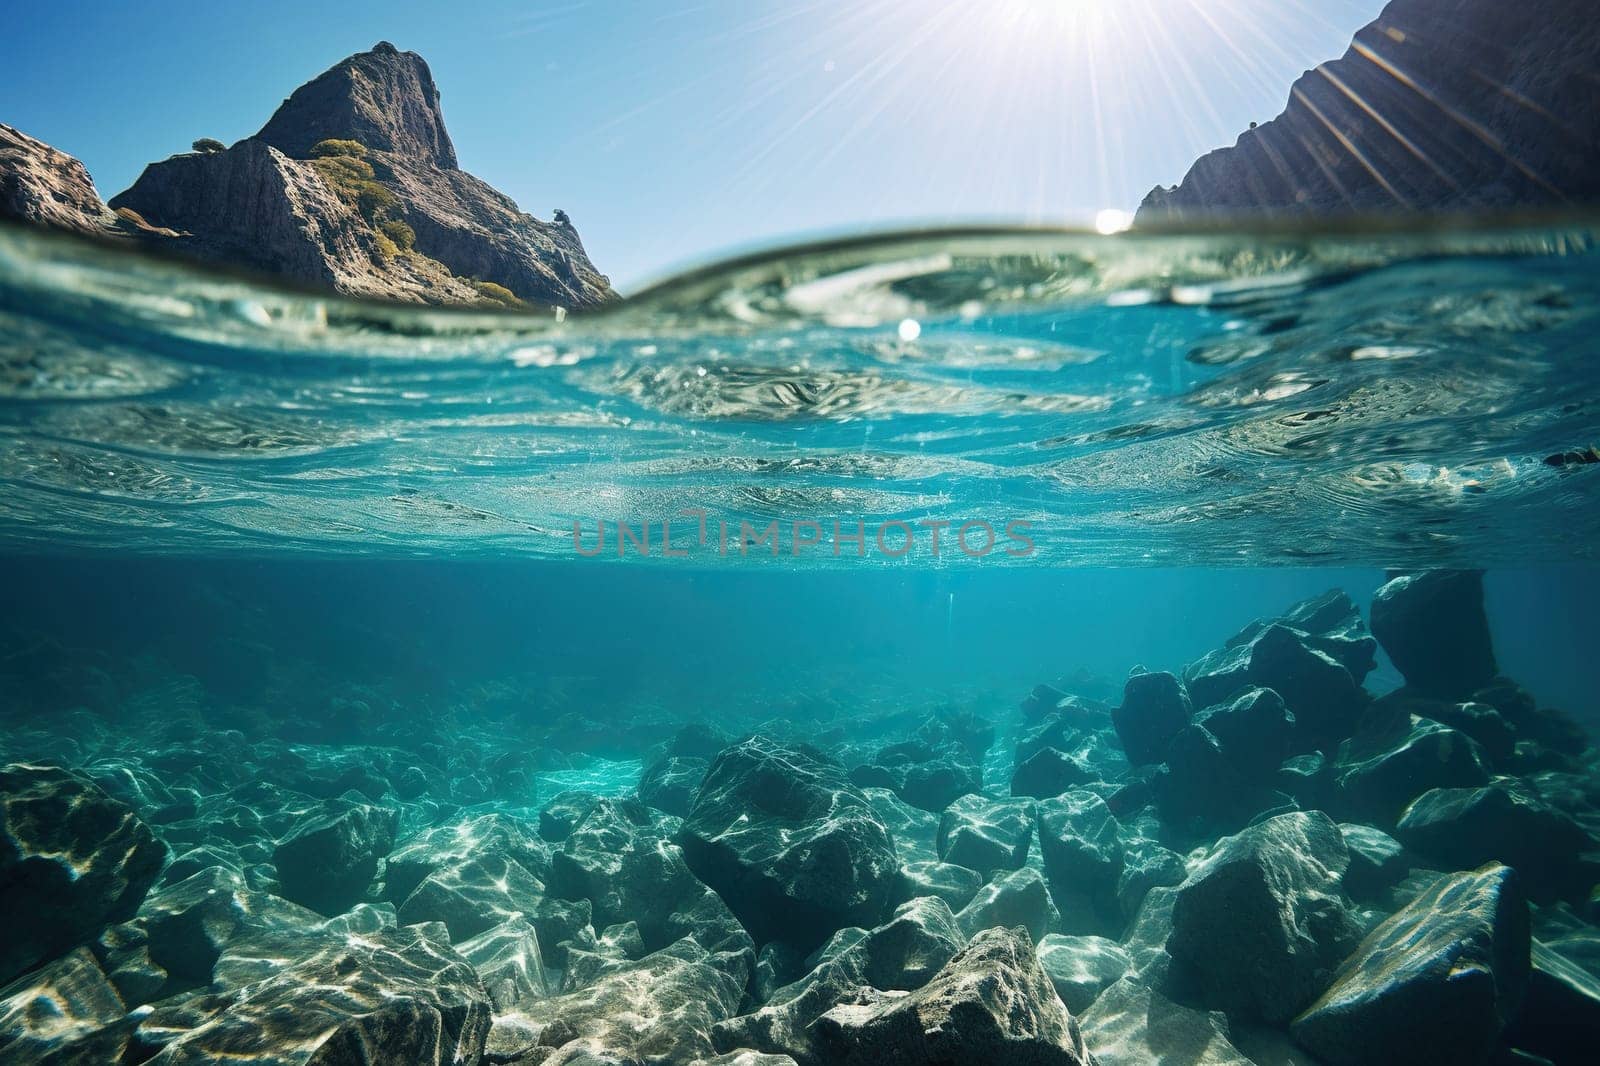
(984, 646)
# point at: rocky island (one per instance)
(1449, 106)
(352, 185)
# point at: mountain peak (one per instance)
(383, 98)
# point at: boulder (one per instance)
(936, 783)
(508, 961)
(1433, 627)
(390, 997)
(1437, 982)
(64, 1012)
(330, 858)
(660, 1008)
(1146, 865)
(794, 849)
(72, 859)
(1133, 1024)
(956, 885)
(991, 1003)
(902, 954)
(1154, 708)
(1081, 967)
(670, 784)
(1081, 847)
(475, 896)
(184, 928)
(985, 834)
(442, 847)
(1255, 730)
(1050, 772)
(629, 872)
(1462, 828)
(1398, 756)
(1016, 899)
(1331, 623)
(1317, 689)
(915, 832)
(1377, 860)
(1203, 792)
(565, 810)
(1260, 923)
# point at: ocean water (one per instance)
(643, 584)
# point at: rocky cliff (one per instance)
(1438, 105)
(351, 185)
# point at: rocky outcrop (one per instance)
(45, 187)
(353, 185)
(1438, 105)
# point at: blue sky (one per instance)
(672, 132)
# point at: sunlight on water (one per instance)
(1382, 398)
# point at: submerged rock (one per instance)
(1560, 1016)
(182, 929)
(508, 961)
(1154, 708)
(1016, 899)
(1081, 847)
(1261, 923)
(71, 860)
(658, 1009)
(442, 847)
(671, 783)
(1377, 860)
(986, 835)
(1317, 689)
(1081, 967)
(1436, 982)
(330, 859)
(793, 848)
(1396, 757)
(1050, 772)
(390, 997)
(991, 1003)
(64, 1012)
(629, 872)
(956, 885)
(902, 954)
(475, 896)
(1433, 627)
(1465, 827)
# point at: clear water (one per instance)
(248, 533)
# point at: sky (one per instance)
(676, 132)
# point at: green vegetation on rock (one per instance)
(498, 295)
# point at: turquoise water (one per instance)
(275, 561)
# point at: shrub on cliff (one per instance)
(335, 146)
(497, 294)
(403, 236)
